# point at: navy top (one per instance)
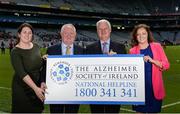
(151, 104)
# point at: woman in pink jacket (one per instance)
(155, 62)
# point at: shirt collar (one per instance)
(108, 42)
(64, 45)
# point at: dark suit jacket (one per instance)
(56, 50)
(95, 48)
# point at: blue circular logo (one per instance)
(61, 72)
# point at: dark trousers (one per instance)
(105, 108)
(64, 108)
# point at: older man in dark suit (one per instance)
(105, 46)
(66, 47)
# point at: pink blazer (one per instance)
(157, 81)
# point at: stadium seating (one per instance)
(108, 6)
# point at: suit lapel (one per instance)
(111, 47)
(75, 50)
(59, 50)
(98, 47)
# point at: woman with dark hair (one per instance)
(155, 62)
(27, 96)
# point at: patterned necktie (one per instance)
(68, 50)
(105, 49)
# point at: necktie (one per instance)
(105, 49)
(68, 50)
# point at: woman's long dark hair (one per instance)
(134, 41)
(20, 30)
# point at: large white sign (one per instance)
(95, 79)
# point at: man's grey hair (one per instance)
(68, 25)
(103, 20)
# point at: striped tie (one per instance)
(105, 49)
